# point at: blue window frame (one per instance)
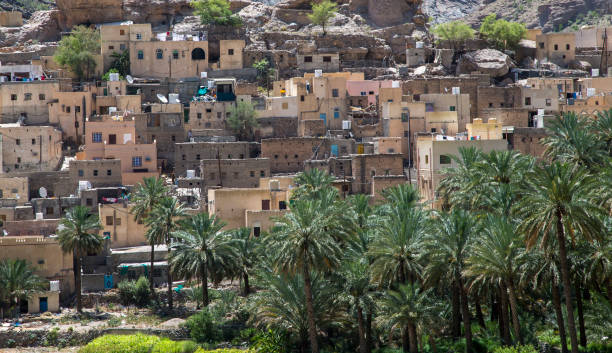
(336, 113)
(140, 55)
(96, 137)
(136, 162)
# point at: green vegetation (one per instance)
(243, 120)
(215, 12)
(121, 62)
(106, 76)
(78, 234)
(504, 34)
(135, 292)
(78, 50)
(17, 283)
(322, 12)
(264, 73)
(455, 32)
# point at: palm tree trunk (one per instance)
(205, 299)
(413, 338)
(369, 330)
(151, 286)
(609, 290)
(504, 316)
(479, 315)
(247, 288)
(465, 313)
(312, 328)
(559, 313)
(567, 285)
(169, 278)
(77, 284)
(363, 347)
(514, 311)
(456, 315)
(583, 338)
(432, 343)
(406, 340)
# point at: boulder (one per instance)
(487, 61)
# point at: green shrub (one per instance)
(121, 344)
(599, 347)
(223, 350)
(135, 292)
(518, 349)
(202, 328)
(271, 341)
(168, 346)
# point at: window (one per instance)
(77, 108)
(230, 52)
(301, 98)
(308, 59)
(173, 138)
(527, 100)
(175, 54)
(13, 97)
(27, 96)
(405, 133)
(41, 97)
(199, 115)
(541, 45)
(121, 47)
(67, 109)
(405, 117)
(138, 36)
(118, 221)
(252, 173)
(109, 172)
(556, 47)
(426, 159)
(265, 205)
(452, 108)
(136, 162)
(282, 205)
(490, 105)
(327, 59)
(18, 142)
(285, 106)
(159, 54)
(262, 173)
(335, 93)
(256, 231)
(81, 172)
(362, 93)
(109, 220)
(89, 202)
(18, 159)
(96, 137)
(336, 113)
(33, 141)
(548, 102)
(444, 159)
(121, 32)
(111, 47)
(183, 157)
(95, 172)
(196, 54)
(49, 210)
(567, 47)
(219, 115)
(371, 93)
(140, 55)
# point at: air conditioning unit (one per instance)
(346, 124)
(274, 184)
(54, 286)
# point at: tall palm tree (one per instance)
(246, 254)
(283, 303)
(459, 185)
(312, 183)
(201, 247)
(602, 128)
(497, 258)
(78, 234)
(571, 140)
(397, 246)
(162, 223)
(147, 195)
(558, 196)
(311, 239)
(405, 308)
(356, 275)
(446, 250)
(17, 282)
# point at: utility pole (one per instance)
(219, 167)
(604, 54)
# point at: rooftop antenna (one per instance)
(162, 98)
(129, 79)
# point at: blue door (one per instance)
(334, 150)
(108, 281)
(324, 117)
(42, 304)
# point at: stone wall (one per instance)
(188, 155)
(276, 127)
(234, 173)
(527, 140)
(287, 155)
(366, 166)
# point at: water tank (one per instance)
(112, 110)
(395, 84)
(39, 216)
(54, 286)
(274, 184)
(190, 173)
(173, 98)
(113, 76)
(84, 185)
(595, 72)
(540, 111)
(203, 74)
(318, 73)
(419, 45)
(540, 121)
(456, 90)
(346, 124)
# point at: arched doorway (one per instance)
(198, 54)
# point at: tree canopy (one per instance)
(78, 51)
(322, 13)
(215, 12)
(504, 34)
(243, 119)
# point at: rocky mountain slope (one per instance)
(550, 15)
(27, 7)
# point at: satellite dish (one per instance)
(162, 98)
(42, 192)
(129, 79)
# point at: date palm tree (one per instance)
(497, 258)
(312, 183)
(162, 223)
(78, 234)
(147, 195)
(246, 255)
(602, 128)
(17, 282)
(559, 197)
(459, 185)
(446, 249)
(201, 247)
(312, 239)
